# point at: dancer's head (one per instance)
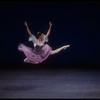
(40, 35)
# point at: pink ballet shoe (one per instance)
(66, 47)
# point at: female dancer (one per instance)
(41, 50)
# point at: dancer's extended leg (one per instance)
(59, 49)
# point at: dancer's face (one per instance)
(41, 36)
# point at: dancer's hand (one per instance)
(25, 23)
(50, 23)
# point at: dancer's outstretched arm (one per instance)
(49, 29)
(28, 30)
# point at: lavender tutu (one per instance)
(37, 54)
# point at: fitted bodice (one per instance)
(33, 39)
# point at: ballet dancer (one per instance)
(41, 50)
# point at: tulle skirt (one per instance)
(37, 54)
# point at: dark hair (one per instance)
(38, 34)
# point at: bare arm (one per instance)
(28, 30)
(49, 29)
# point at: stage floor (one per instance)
(49, 83)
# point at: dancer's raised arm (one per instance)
(49, 29)
(28, 30)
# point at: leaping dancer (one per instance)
(41, 49)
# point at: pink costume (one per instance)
(37, 54)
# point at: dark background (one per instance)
(74, 23)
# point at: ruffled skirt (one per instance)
(36, 55)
